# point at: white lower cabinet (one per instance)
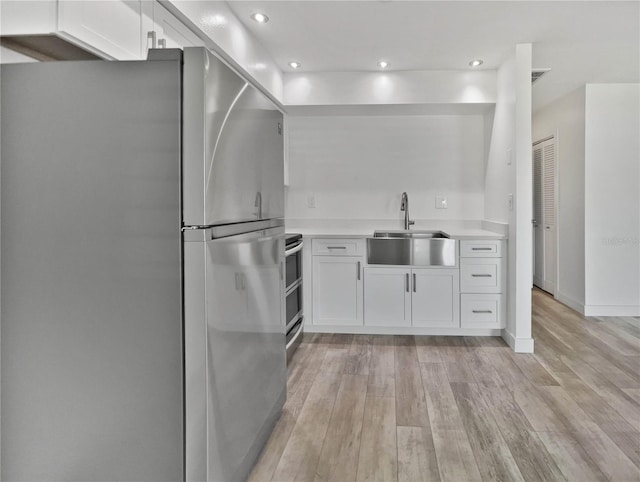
(344, 294)
(337, 290)
(434, 301)
(481, 310)
(482, 284)
(403, 297)
(387, 297)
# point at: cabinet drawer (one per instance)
(481, 275)
(338, 247)
(481, 311)
(481, 248)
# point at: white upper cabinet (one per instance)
(112, 28)
(170, 32)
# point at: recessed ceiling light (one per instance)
(294, 65)
(260, 17)
(475, 63)
(383, 64)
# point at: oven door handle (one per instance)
(295, 337)
(293, 250)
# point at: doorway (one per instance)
(545, 244)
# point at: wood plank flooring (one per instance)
(404, 408)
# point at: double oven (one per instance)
(293, 292)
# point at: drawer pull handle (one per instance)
(481, 311)
(482, 275)
(481, 249)
(336, 247)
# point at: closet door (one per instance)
(544, 215)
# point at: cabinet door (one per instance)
(435, 300)
(112, 28)
(387, 297)
(337, 290)
(174, 33)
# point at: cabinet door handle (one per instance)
(481, 311)
(481, 275)
(414, 282)
(481, 249)
(406, 281)
(151, 36)
(358, 270)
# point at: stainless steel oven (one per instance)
(293, 292)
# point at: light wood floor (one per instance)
(464, 408)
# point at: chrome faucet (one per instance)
(258, 204)
(404, 206)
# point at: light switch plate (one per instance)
(441, 202)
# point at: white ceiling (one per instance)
(590, 41)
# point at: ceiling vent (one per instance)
(537, 73)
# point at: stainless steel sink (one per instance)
(412, 248)
(410, 234)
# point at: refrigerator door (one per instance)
(233, 146)
(92, 385)
(235, 364)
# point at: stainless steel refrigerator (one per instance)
(142, 270)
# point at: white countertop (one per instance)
(341, 228)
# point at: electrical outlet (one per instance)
(510, 202)
(311, 201)
(441, 202)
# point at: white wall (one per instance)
(420, 87)
(508, 173)
(612, 200)
(565, 119)
(356, 167)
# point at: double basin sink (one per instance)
(411, 248)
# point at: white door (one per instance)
(435, 300)
(337, 290)
(544, 224)
(387, 299)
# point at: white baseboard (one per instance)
(400, 330)
(570, 302)
(519, 345)
(603, 310)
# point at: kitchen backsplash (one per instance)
(353, 167)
